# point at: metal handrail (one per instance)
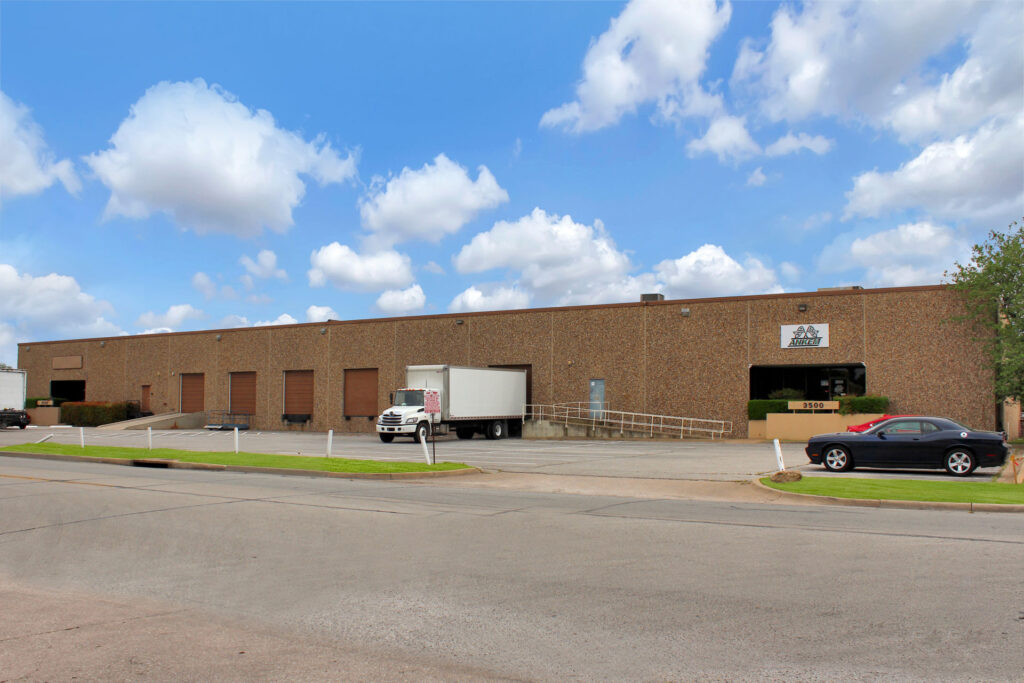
(582, 413)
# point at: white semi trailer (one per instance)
(472, 401)
(12, 398)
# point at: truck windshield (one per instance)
(408, 398)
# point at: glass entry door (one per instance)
(597, 399)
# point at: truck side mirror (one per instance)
(391, 399)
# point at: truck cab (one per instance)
(406, 417)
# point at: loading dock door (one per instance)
(361, 393)
(242, 393)
(192, 392)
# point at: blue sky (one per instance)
(177, 166)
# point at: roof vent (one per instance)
(839, 289)
(652, 297)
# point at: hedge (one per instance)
(758, 409)
(93, 413)
(31, 402)
(849, 405)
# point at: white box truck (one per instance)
(472, 401)
(12, 398)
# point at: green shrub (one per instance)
(849, 405)
(92, 413)
(787, 394)
(758, 408)
(31, 402)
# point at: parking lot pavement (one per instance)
(660, 459)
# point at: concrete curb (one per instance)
(178, 465)
(890, 504)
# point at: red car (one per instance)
(868, 425)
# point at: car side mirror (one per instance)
(881, 435)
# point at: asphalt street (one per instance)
(113, 573)
(655, 459)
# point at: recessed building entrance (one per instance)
(811, 382)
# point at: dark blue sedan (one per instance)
(912, 443)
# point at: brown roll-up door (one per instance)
(242, 398)
(298, 392)
(361, 392)
(192, 392)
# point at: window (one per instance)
(903, 427)
(298, 395)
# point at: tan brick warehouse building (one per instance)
(695, 358)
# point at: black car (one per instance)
(910, 442)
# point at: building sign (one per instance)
(431, 401)
(814, 405)
(813, 336)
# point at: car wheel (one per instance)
(464, 433)
(387, 438)
(837, 459)
(422, 432)
(959, 462)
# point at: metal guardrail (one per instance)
(225, 419)
(585, 414)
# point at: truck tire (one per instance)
(496, 430)
(386, 438)
(421, 433)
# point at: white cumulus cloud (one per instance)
(265, 265)
(910, 254)
(346, 269)
(196, 153)
(655, 51)
(283, 319)
(48, 307)
(27, 165)
(171, 320)
(319, 314)
(727, 138)
(790, 144)
(493, 299)
(757, 178)
(710, 271)
(978, 176)
(402, 300)
(428, 203)
(556, 257)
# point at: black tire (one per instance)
(464, 433)
(22, 426)
(959, 462)
(496, 430)
(421, 433)
(387, 438)
(837, 459)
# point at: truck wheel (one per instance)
(421, 433)
(464, 433)
(387, 438)
(496, 430)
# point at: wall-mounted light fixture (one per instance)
(218, 337)
(685, 312)
(28, 348)
(802, 308)
(323, 330)
(103, 343)
(459, 321)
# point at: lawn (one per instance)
(906, 489)
(291, 462)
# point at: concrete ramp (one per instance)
(161, 421)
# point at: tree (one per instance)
(992, 286)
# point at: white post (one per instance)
(778, 455)
(45, 438)
(149, 437)
(81, 436)
(236, 439)
(426, 451)
(330, 440)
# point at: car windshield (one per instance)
(408, 398)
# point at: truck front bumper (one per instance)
(395, 429)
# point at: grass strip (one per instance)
(906, 489)
(290, 462)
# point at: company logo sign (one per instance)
(813, 336)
